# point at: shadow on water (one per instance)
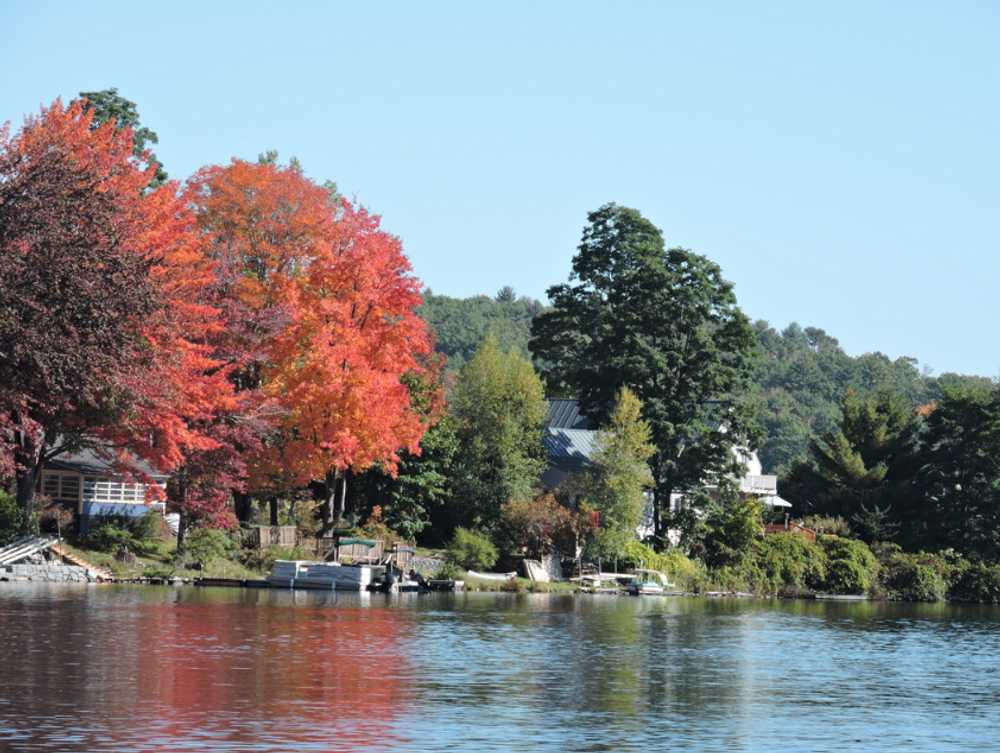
(142, 669)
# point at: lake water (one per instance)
(109, 668)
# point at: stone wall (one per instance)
(46, 573)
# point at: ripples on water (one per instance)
(156, 669)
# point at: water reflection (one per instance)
(144, 669)
(151, 670)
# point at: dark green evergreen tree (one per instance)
(863, 470)
(665, 324)
(108, 104)
(959, 479)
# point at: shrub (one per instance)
(835, 525)
(732, 531)
(449, 571)
(978, 583)
(685, 572)
(202, 545)
(471, 550)
(11, 519)
(539, 526)
(110, 536)
(788, 561)
(263, 560)
(149, 527)
(911, 581)
(916, 577)
(513, 586)
(851, 566)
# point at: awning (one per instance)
(363, 542)
(776, 501)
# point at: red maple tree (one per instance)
(324, 327)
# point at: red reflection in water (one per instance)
(271, 674)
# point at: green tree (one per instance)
(959, 479)
(108, 104)
(498, 411)
(732, 531)
(863, 470)
(617, 484)
(665, 324)
(422, 484)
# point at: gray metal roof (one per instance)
(90, 461)
(565, 414)
(570, 448)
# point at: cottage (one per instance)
(94, 488)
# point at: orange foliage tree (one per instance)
(323, 325)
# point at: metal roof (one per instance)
(565, 414)
(570, 448)
(90, 461)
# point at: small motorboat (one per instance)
(649, 583)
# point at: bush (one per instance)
(835, 526)
(149, 527)
(263, 560)
(851, 566)
(916, 577)
(449, 571)
(788, 561)
(11, 519)
(471, 550)
(683, 571)
(202, 545)
(912, 581)
(538, 527)
(733, 529)
(110, 536)
(978, 583)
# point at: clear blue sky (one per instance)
(839, 161)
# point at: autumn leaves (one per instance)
(249, 330)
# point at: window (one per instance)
(50, 485)
(63, 486)
(70, 487)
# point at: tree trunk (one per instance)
(329, 503)
(182, 527)
(273, 503)
(243, 506)
(342, 498)
(26, 481)
(657, 499)
(28, 456)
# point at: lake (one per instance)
(141, 668)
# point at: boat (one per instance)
(492, 576)
(325, 576)
(649, 583)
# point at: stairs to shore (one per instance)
(24, 548)
(75, 559)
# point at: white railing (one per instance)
(114, 491)
(759, 484)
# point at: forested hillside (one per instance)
(462, 324)
(802, 373)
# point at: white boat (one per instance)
(326, 576)
(649, 583)
(492, 576)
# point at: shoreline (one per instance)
(262, 584)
